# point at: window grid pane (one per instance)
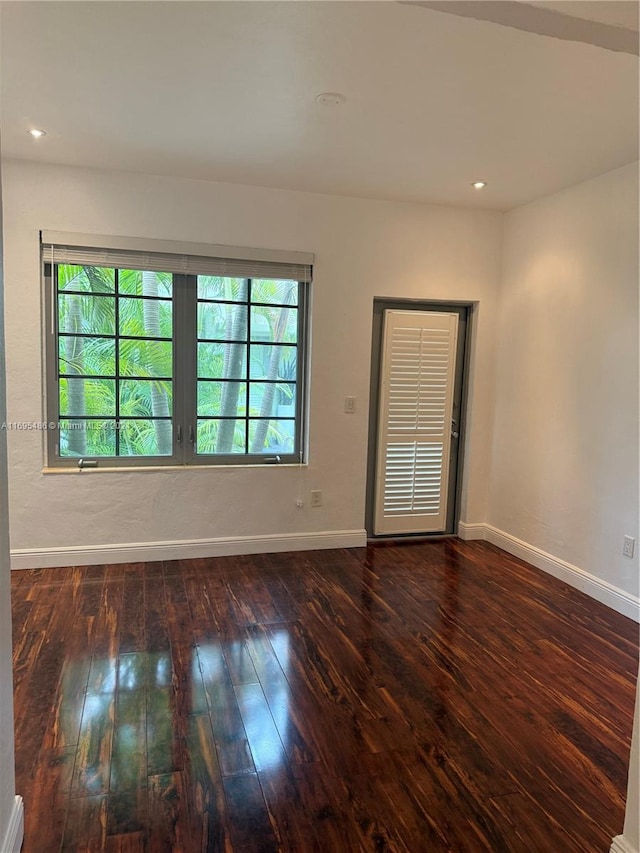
(114, 390)
(233, 346)
(247, 366)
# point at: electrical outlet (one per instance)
(629, 546)
(316, 497)
(349, 405)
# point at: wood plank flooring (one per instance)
(438, 696)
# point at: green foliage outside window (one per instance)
(116, 383)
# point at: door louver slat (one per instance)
(414, 427)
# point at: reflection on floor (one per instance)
(438, 696)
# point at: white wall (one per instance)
(10, 805)
(565, 445)
(363, 249)
(629, 841)
(632, 813)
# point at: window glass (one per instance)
(153, 366)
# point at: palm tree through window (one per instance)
(164, 367)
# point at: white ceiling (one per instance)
(615, 13)
(609, 24)
(226, 91)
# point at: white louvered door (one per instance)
(414, 427)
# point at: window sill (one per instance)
(170, 468)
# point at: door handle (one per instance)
(454, 431)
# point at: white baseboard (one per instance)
(619, 600)
(469, 532)
(137, 552)
(621, 845)
(14, 835)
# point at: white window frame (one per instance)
(185, 262)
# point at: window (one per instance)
(156, 358)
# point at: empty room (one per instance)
(319, 446)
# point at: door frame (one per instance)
(465, 311)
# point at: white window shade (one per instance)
(175, 257)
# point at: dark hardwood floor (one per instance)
(440, 696)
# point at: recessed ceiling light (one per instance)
(330, 99)
(36, 133)
(479, 185)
